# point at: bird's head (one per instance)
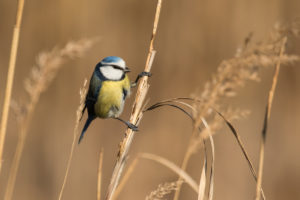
(113, 68)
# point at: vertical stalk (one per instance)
(267, 117)
(10, 78)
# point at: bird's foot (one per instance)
(132, 126)
(129, 125)
(140, 76)
(145, 74)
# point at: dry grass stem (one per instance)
(10, 78)
(267, 117)
(99, 175)
(212, 170)
(136, 113)
(48, 64)
(162, 190)
(181, 173)
(82, 93)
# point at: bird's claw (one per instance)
(132, 126)
(149, 74)
(140, 76)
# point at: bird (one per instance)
(108, 89)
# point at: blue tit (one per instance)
(108, 89)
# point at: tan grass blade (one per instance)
(212, 170)
(211, 181)
(179, 100)
(136, 113)
(266, 119)
(99, 175)
(202, 182)
(187, 178)
(171, 104)
(10, 77)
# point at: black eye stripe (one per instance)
(117, 67)
(114, 66)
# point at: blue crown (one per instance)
(111, 59)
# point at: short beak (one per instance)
(126, 70)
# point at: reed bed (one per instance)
(206, 110)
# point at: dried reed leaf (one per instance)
(212, 170)
(161, 104)
(202, 182)
(211, 177)
(187, 178)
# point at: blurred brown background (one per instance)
(193, 38)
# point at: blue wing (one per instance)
(90, 100)
(92, 95)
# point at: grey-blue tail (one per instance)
(87, 123)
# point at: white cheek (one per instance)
(111, 73)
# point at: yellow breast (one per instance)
(110, 100)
